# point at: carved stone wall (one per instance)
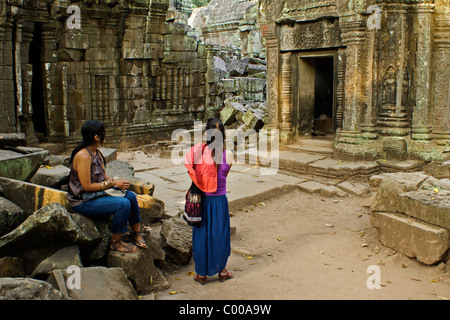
(127, 65)
(391, 93)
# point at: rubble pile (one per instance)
(238, 113)
(412, 214)
(43, 243)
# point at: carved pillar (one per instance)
(340, 91)
(349, 144)
(7, 107)
(421, 126)
(18, 69)
(273, 52)
(440, 91)
(287, 132)
(393, 78)
(26, 121)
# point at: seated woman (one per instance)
(88, 182)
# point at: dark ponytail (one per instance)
(89, 130)
(214, 124)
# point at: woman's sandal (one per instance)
(138, 240)
(201, 280)
(224, 276)
(121, 246)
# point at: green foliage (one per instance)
(199, 3)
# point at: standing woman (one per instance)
(211, 241)
(87, 184)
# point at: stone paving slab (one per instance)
(245, 186)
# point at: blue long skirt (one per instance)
(211, 241)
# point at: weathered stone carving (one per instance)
(389, 89)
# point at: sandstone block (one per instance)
(27, 289)
(177, 240)
(179, 43)
(311, 187)
(391, 185)
(357, 189)
(228, 115)
(11, 216)
(428, 206)
(61, 229)
(332, 191)
(69, 256)
(52, 177)
(139, 268)
(412, 237)
(152, 209)
(96, 283)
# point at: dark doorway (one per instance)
(37, 90)
(316, 96)
(324, 95)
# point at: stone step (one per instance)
(325, 166)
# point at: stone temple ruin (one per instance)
(371, 77)
(374, 74)
(134, 65)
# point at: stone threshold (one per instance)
(306, 162)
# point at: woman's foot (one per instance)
(138, 239)
(200, 279)
(225, 275)
(121, 246)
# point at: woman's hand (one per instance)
(122, 184)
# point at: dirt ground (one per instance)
(301, 246)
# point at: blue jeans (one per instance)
(124, 210)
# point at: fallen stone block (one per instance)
(46, 231)
(110, 154)
(28, 289)
(11, 216)
(391, 186)
(31, 196)
(252, 120)
(428, 206)
(237, 68)
(12, 140)
(411, 180)
(177, 240)
(123, 170)
(256, 68)
(95, 283)
(152, 209)
(228, 115)
(412, 237)
(139, 268)
(52, 177)
(20, 165)
(431, 183)
(64, 258)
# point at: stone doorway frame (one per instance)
(300, 63)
